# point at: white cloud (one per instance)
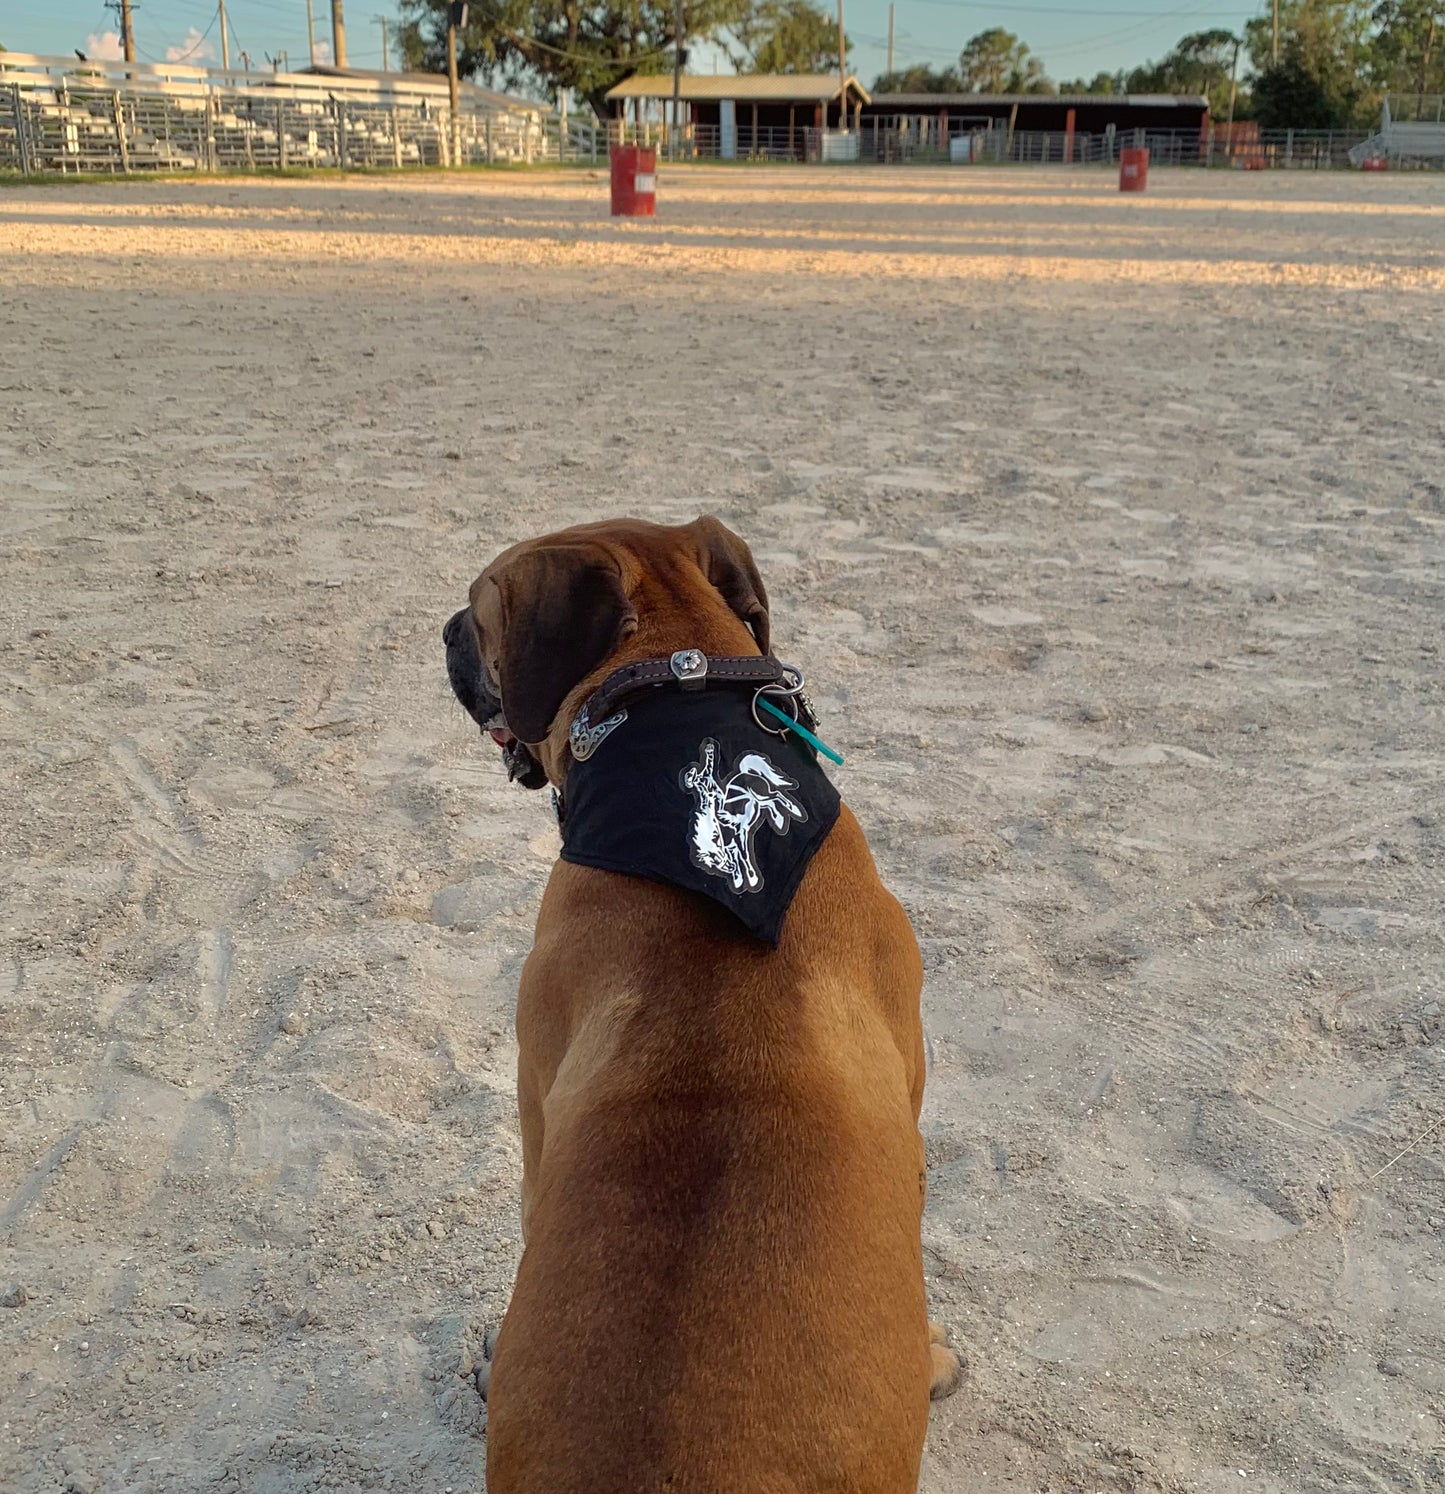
(195, 48)
(323, 52)
(104, 48)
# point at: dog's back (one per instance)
(722, 1285)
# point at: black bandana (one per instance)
(688, 789)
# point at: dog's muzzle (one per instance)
(472, 685)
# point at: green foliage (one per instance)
(920, 80)
(996, 61)
(784, 36)
(1324, 76)
(1337, 58)
(1099, 83)
(1199, 63)
(560, 44)
(1409, 50)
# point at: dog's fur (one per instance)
(721, 1290)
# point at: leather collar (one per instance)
(688, 669)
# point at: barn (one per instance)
(1035, 126)
(733, 117)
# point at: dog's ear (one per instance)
(728, 564)
(563, 611)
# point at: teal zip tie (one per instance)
(801, 730)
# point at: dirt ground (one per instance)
(1108, 531)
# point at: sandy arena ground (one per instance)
(1109, 533)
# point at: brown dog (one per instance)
(721, 1289)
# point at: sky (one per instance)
(1074, 38)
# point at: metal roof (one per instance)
(1069, 100)
(758, 88)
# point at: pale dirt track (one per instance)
(1109, 534)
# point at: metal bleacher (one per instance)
(66, 116)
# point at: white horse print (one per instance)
(729, 813)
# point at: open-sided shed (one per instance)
(753, 114)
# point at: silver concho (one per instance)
(689, 667)
(584, 738)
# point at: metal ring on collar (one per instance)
(790, 694)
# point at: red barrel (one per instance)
(1133, 170)
(634, 182)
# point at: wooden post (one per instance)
(1069, 138)
(1013, 119)
(792, 117)
(338, 35)
(119, 111)
(1233, 90)
(755, 129)
(395, 138)
(678, 23)
(842, 72)
(453, 87)
(280, 136)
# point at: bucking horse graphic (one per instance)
(729, 813)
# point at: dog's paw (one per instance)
(947, 1367)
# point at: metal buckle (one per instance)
(689, 665)
(793, 697)
(584, 738)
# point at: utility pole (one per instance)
(385, 53)
(1274, 55)
(338, 35)
(225, 40)
(677, 23)
(127, 32)
(1233, 88)
(310, 33)
(890, 46)
(842, 74)
(456, 16)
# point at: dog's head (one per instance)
(550, 618)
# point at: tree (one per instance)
(920, 80)
(1323, 77)
(1200, 63)
(1409, 46)
(1099, 83)
(559, 44)
(784, 36)
(1291, 97)
(996, 61)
